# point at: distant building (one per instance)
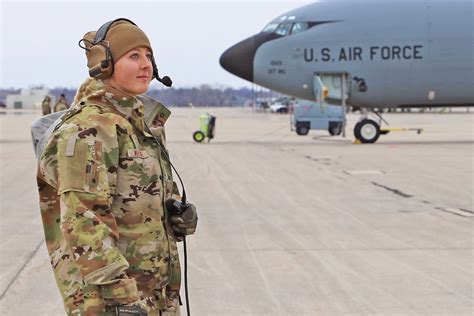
(27, 99)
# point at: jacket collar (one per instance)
(136, 110)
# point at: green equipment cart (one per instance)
(207, 126)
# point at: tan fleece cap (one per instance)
(124, 36)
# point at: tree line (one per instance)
(205, 95)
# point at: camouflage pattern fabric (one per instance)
(102, 183)
(46, 106)
(61, 105)
(184, 224)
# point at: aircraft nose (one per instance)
(238, 59)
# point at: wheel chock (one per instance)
(357, 141)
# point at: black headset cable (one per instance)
(183, 206)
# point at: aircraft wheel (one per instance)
(198, 136)
(367, 131)
(335, 129)
(302, 129)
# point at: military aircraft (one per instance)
(377, 54)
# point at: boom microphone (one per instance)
(165, 80)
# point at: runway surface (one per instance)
(288, 225)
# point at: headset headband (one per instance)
(102, 31)
(100, 37)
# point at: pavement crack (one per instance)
(396, 191)
(322, 160)
(459, 212)
(468, 211)
(21, 269)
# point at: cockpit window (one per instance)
(270, 28)
(284, 29)
(299, 27)
(287, 28)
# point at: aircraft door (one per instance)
(328, 87)
(320, 91)
(333, 88)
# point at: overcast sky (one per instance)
(39, 39)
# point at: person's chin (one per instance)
(142, 88)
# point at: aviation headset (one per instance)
(100, 59)
(101, 66)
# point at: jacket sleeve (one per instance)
(87, 160)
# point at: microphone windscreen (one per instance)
(166, 81)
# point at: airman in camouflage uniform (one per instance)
(103, 181)
(62, 104)
(46, 105)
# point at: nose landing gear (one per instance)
(368, 131)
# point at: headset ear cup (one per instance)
(107, 68)
(99, 63)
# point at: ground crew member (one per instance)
(103, 182)
(46, 105)
(62, 104)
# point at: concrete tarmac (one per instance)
(288, 225)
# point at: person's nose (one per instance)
(146, 62)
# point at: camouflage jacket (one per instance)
(46, 107)
(102, 183)
(61, 105)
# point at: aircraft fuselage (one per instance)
(406, 53)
